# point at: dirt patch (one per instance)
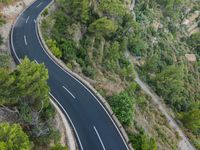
(155, 124)
(190, 57)
(111, 88)
(11, 11)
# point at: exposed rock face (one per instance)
(191, 22)
(190, 57)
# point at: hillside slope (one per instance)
(93, 37)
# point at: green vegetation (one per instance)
(122, 105)
(20, 93)
(59, 147)
(12, 137)
(142, 142)
(102, 26)
(54, 49)
(46, 12)
(86, 37)
(4, 56)
(112, 8)
(6, 1)
(1, 40)
(191, 120)
(169, 83)
(80, 10)
(2, 20)
(4, 60)
(194, 41)
(18, 85)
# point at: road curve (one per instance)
(92, 124)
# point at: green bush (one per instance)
(191, 120)
(68, 50)
(58, 147)
(103, 26)
(81, 10)
(4, 60)
(1, 39)
(114, 8)
(12, 137)
(123, 107)
(194, 41)
(170, 84)
(46, 12)
(89, 71)
(6, 1)
(141, 141)
(136, 45)
(53, 47)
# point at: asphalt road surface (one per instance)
(94, 128)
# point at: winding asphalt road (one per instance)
(92, 124)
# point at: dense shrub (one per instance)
(12, 137)
(141, 141)
(123, 106)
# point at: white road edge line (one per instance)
(69, 120)
(39, 4)
(69, 92)
(99, 137)
(12, 45)
(83, 86)
(27, 19)
(25, 40)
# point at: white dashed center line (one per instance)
(27, 19)
(25, 40)
(39, 5)
(68, 92)
(99, 137)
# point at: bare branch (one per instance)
(9, 110)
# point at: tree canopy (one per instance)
(31, 82)
(55, 50)
(103, 26)
(7, 89)
(12, 137)
(112, 8)
(170, 84)
(81, 10)
(27, 89)
(191, 119)
(142, 141)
